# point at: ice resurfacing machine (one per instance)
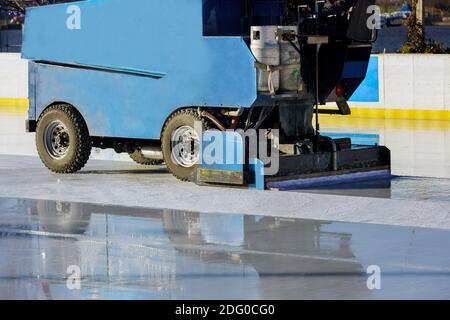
(144, 81)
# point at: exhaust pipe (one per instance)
(152, 152)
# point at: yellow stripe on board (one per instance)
(341, 122)
(14, 105)
(360, 118)
(406, 114)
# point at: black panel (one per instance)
(223, 17)
(358, 29)
(234, 17)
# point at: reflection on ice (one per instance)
(419, 148)
(126, 253)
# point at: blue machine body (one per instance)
(126, 66)
(124, 75)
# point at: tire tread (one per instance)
(180, 113)
(84, 145)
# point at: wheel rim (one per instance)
(185, 147)
(56, 140)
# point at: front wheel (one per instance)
(62, 139)
(180, 143)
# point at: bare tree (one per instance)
(19, 6)
(15, 9)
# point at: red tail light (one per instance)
(340, 90)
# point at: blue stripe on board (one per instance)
(369, 90)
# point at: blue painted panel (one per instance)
(32, 92)
(229, 150)
(163, 37)
(222, 151)
(364, 139)
(257, 166)
(369, 90)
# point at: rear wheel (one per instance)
(62, 139)
(138, 157)
(180, 143)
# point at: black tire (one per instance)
(139, 159)
(182, 118)
(74, 140)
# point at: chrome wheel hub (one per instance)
(185, 147)
(56, 140)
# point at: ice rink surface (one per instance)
(418, 197)
(136, 232)
(62, 250)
